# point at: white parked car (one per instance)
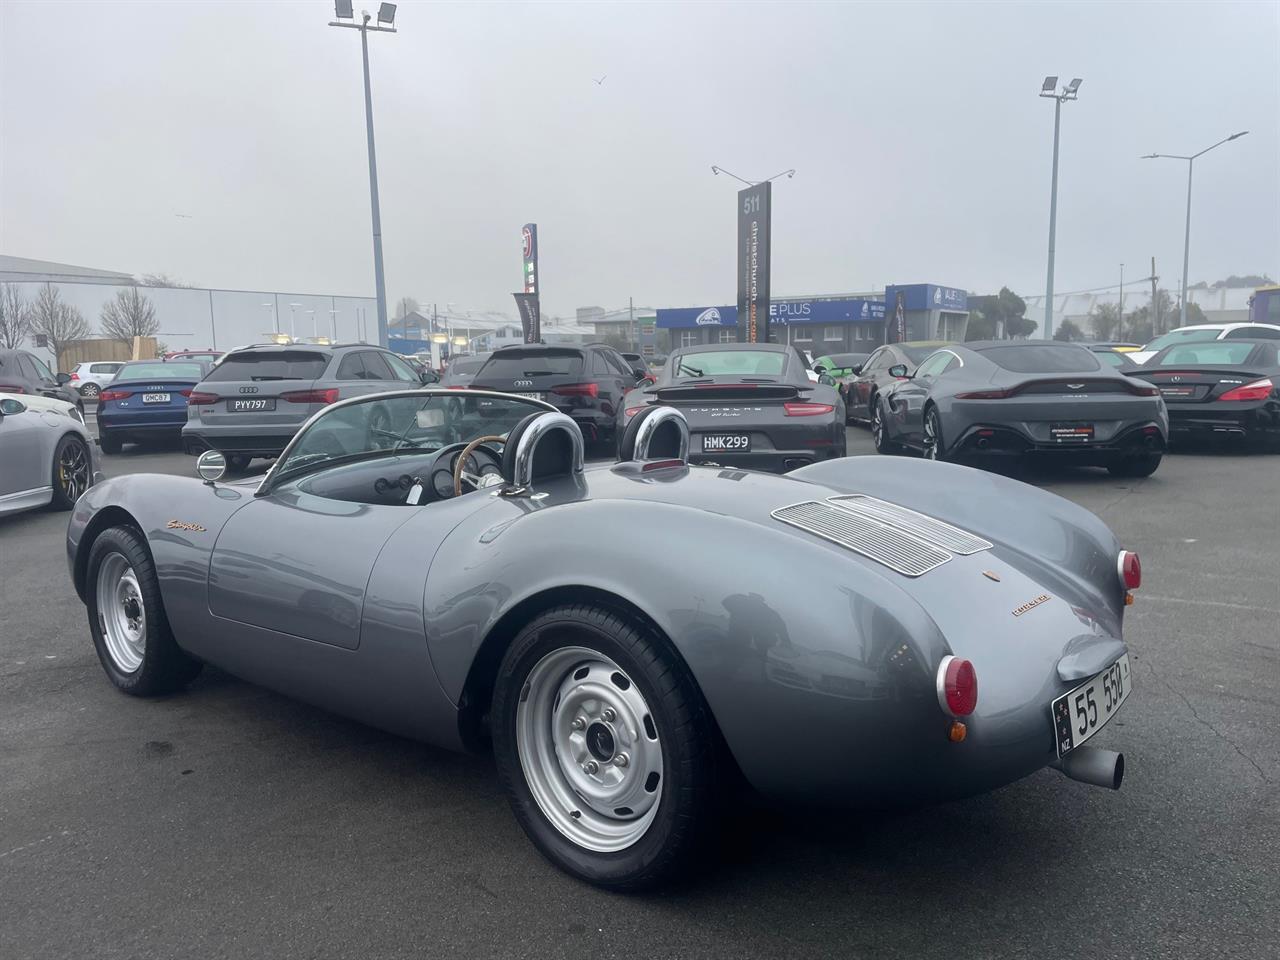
(90, 377)
(46, 454)
(1203, 333)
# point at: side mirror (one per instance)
(429, 376)
(211, 465)
(640, 375)
(819, 369)
(899, 370)
(857, 369)
(9, 406)
(63, 379)
(828, 381)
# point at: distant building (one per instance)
(22, 270)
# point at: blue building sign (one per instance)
(929, 296)
(781, 312)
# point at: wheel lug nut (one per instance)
(622, 759)
(591, 767)
(579, 723)
(608, 715)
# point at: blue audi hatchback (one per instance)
(147, 399)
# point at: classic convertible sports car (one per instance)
(866, 630)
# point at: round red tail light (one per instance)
(1130, 568)
(957, 686)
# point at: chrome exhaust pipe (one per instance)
(1102, 768)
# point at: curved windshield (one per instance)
(1219, 351)
(713, 363)
(419, 422)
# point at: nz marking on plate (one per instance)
(1030, 604)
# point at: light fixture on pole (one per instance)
(293, 320)
(751, 183)
(386, 24)
(1050, 89)
(1186, 242)
(314, 332)
(1120, 309)
(333, 323)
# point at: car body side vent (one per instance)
(874, 539)
(929, 529)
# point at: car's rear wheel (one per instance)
(880, 432)
(90, 391)
(126, 617)
(1142, 465)
(605, 746)
(72, 471)
(108, 441)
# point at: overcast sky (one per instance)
(922, 150)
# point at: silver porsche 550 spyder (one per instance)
(865, 630)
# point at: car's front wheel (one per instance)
(72, 471)
(605, 746)
(127, 620)
(880, 432)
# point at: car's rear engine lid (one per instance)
(903, 540)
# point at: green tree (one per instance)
(1068, 331)
(1103, 320)
(998, 316)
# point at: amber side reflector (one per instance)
(957, 732)
(1128, 599)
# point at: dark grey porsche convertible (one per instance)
(631, 637)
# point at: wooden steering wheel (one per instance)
(459, 471)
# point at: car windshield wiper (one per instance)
(694, 371)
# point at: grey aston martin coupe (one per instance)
(1023, 397)
(862, 631)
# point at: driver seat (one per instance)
(543, 445)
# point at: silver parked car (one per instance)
(453, 572)
(255, 399)
(91, 376)
(46, 454)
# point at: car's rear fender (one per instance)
(841, 648)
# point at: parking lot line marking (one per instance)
(1215, 603)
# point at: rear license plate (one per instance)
(155, 398)
(248, 406)
(1178, 391)
(532, 396)
(720, 442)
(1071, 432)
(1084, 711)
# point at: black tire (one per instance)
(880, 433)
(108, 441)
(72, 471)
(1142, 465)
(936, 451)
(683, 819)
(90, 391)
(238, 462)
(164, 668)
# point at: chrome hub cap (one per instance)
(73, 471)
(589, 749)
(122, 616)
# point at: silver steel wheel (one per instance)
(589, 749)
(931, 436)
(90, 390)
(121, 613)
(73, 470)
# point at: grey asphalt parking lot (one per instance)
(232, 822)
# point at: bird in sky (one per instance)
(599, 82)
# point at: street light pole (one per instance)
(1186, 241)
(1050, 89)
(387, 15)
(1120, 310)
